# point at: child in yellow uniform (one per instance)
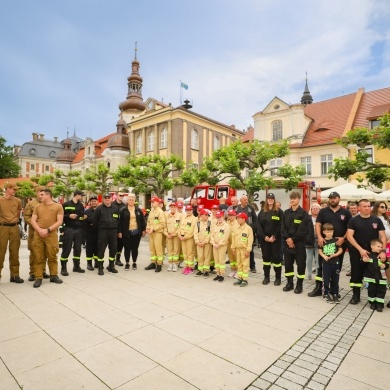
(186, 236)
(232, 222)
(171, 233)
(202, 242)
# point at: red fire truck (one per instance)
(209, 195)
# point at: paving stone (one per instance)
(325, 372)
(316, 354)
(275, 387)
(287, 358)
(319, 349)
(330, 336)
(276, 370)
(293, 353)
(313, 385)
(286, 384)
(344, 345)
(294, 377)
(302, 343)
(340, 350)
(301, 371)
(298, 348)
(268, 376)
(348, 337)
(281, 364)
(330, 366)
(308, 365)
(311, 359)
(334, 359)
(261, 384)
(324, 380)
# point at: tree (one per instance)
(151, 173)
(99, 179)
(246, 166)
(8, 167)
(26, 189)
(372, 173)
(63, 184)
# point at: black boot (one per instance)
(118, 260)
(77, 268)
(111, 267)
(100, 268)
(89, 265)
(158, 268)
(151, 266)
(96, 265)
(278, 276)
(356, 296)
(64, 271)
(266, 280)
(317, 292)
(290, 284)
(298, 288)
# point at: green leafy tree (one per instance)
(151, 174)
(371, 173)
(246, 166)
(26, 189)
(99, 179)
(62, 184)
(8, 167)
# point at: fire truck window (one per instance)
(200, 193)
(223, 192)
(211, 193)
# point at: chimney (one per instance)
(35, 136)
(41, 137)
(55, 139)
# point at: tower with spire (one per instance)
(134, 105)
(306, 97)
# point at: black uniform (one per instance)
(119, 244)
(377, 285)
(107, 221)
(294, 226)
(269, 224)
(91, 235)
(72, 233)
(331, 268)
(339, 219)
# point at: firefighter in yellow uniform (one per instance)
(27, 214)
(186, 236)
(242, 242)
(220, 231)
(173, 221)
(233, 224)
(155, 228)
(202, 242)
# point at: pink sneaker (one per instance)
(185, 271)
(190, 271)
(232, 274)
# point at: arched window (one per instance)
(217, 143)
(194, 139)
(139, 144)
(150, 141)
(277, 130)
(163, 138)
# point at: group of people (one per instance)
(200, 239)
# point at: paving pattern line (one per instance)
(313, 360)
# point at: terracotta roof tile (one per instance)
(249, 136)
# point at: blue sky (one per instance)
(64, 64)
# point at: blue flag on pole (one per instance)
(182, 85)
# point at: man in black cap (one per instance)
(73, 232)
(91, 235)
(339, 218)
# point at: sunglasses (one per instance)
(382, 207)
(120, 196)
(107, 197)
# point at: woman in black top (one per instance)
(269, 223)
(133, 226)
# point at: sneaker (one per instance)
(174, 268)
(231, 275)
(327, 298)
(244, 283)
(181, 264)
(253, 270)
(127, 266)
(185, 271)
(221, 279)
(190, 271)
(134, 266)
(31, 278)
(199, 273)
(336, 299)
(236, 276)
(216, 278)
(37, 283)
(170, 267)
(158, 268)
(206, 275)
(16, 279)
(373, 306)
(55, 279)
(237, 282)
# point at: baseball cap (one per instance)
(155, 199)
(242, 215)
(93, 197)
(214, 207)
(270, 195)
(79, 192)
(232, 212)
(203, 212)
(189, 207)
(179, 205)
(173, 204)
(107, 195)
(334, 194)
(220, 214)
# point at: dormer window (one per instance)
(32, 151)
(52, 154)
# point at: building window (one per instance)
(277, 130)
(47, 168)
(163, 138)
(32, 167)
(150, 141)
(194, 139)
(139, 144)
(217, 143)
(195, 166)
(374, 123)
(370, 154)
(274, 165)
(326, 163)
(306, 162)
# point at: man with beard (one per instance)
(339, 218)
